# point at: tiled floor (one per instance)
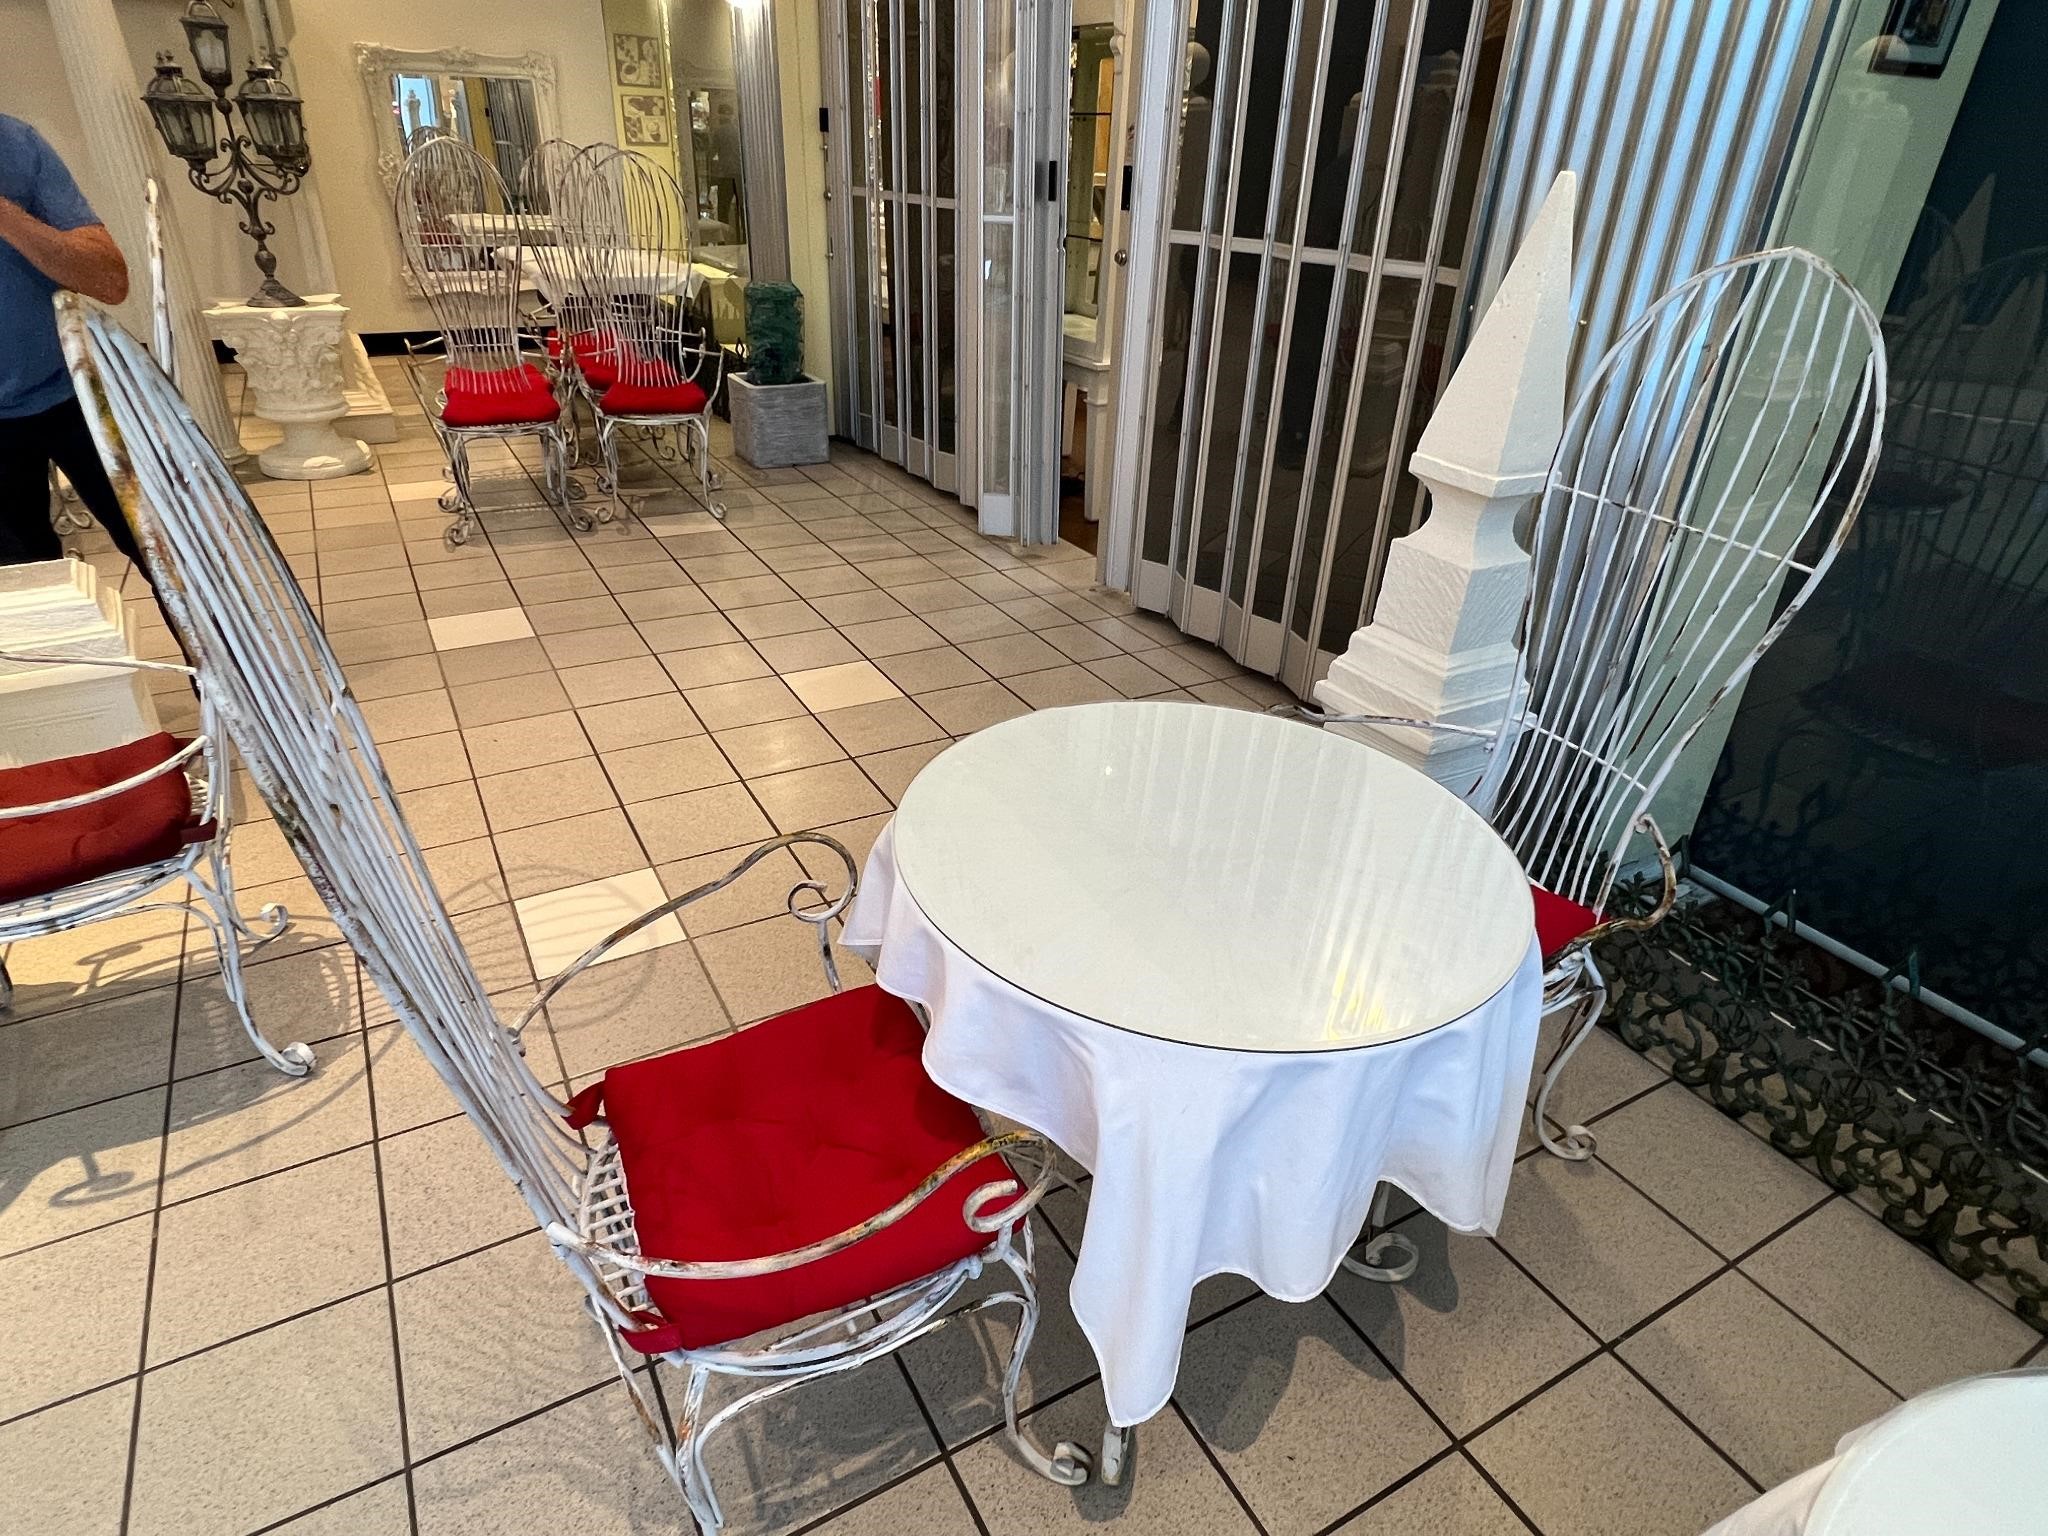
(235, 1303)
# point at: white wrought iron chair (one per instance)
(141, 827)
(860, 1284)
(1708, 476)
(462, 245)
(650, 364)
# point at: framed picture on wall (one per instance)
(636, 60)
(1918, 37)
(645, 119)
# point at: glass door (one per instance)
(943, 261)
(1318, 192)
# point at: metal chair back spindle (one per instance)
(467, 270)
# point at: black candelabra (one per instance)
(266, 156)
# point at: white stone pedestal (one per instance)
(293, 358)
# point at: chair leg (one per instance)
(1577, 1143)
(6, 987)
(217, 909)
(608, 453)
(555, 457)
(1068, 1463)
(463, 504)
(1390, 1257)
(701, 427)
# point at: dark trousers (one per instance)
(28, 446)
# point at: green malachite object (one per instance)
(775, 333)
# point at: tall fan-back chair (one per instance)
(779, 1204)
(463, 250)
(651, 365)
(1708, 476)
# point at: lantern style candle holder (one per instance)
(266, 157)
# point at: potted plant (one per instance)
(778, 411)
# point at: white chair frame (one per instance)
(625, 222)
(230, 596)
(201, 866)
(473, 290)
(1652, 585)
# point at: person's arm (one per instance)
(84, 258)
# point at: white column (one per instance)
(759, 88)
(1441, 645)
(122, 141)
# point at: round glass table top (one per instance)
(1212, 876)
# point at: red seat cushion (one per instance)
(594, 352)
(500, 397)
(1559, 920)
(152, 821)
(781, 1135)
(648, 386)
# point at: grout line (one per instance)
(1434, 1459)
(1209, 1454)
(390, 1287)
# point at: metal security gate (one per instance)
(946, 314)
(1320, 191)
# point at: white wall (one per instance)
(799, 66)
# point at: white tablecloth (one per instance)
(668, 279)
(1258, 1163)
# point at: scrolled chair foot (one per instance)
(1389, 1258)
(1575, 1145)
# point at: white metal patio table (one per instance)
(1241, 969)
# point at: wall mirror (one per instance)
(499, 105)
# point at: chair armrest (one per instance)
(972, 1212)
(1315, 714)
(130, 663)
(1666, 899)
(818, 917)
(177, 760)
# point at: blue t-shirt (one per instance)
(32, 376)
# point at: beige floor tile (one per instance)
(968, 709)
(981, 621)
(208, 1459)
(639, 1006)
(490, 1337)
(892, 637)
(527, 797)
(380, 1510)
(62, 1060)
(74, 1316)
(243, 1122)
(423, 761)
(1598, 1455)
(609, 681)
(444, 1194)
(715, 664)
(497, 949)
(904, 571)
(679, 826)
(405, 1088)
(1130, 676)
(827, 579)
(1756, 1381)
(402, 716)
(444, 813)
(558, 587)
(844, 686)
(1891, 1306)
(1278, 1391)
(1450, 1497)
(1443, 1328)
(668, 768)
(456, 631)
(959, 1369)
(96, 961)
(560, 925)
(779, 746)
(585, 1467)
(687, 632)
(575, 613)
(81, 1169)
(1007, 655)
(1731, 1187)
(1596, 1245)
(880, 726)
(587, 647)
(1062, 685)
(928, 1503)
(770, 967)
(865, 606)
(817, 797)
(1172, 1488)
(893, 771)
(635, 722)
(664, 602)
(727, 705)
(65, 1469)
(507, 698)
(748, 592)
(309, 996)
(514, 744)
(568, 852)
(491, 663)
(806, 650)
(300, 1239)
(773, 620)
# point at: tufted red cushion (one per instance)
(781, 1135)
(1559, 920)
(41, 854)
(501, 397)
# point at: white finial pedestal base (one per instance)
(293, 358)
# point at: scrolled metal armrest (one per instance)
(817, 916)
(1666, 899)
(810, 1253)
(1315, 714)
